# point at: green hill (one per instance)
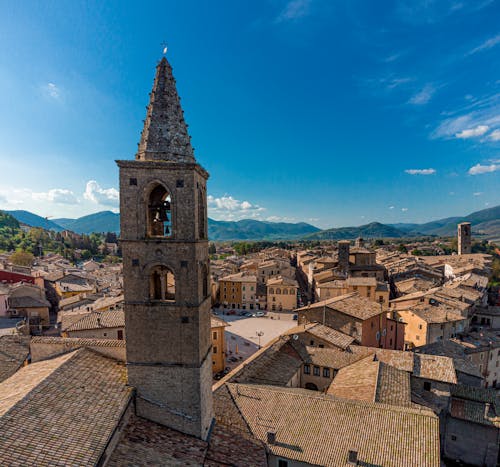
(483, 221)
(103, 221)
(249, 229)
(372, 230)
(34, 220)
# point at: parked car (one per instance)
(259, 314)
(248, 314)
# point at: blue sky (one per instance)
(334, 113)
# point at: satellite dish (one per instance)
(295, 337)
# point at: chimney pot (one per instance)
(271, 437)
(352, 458)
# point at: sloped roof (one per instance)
(62, 410)
(434, 367)
(328, 334)
(330, 358)
(351, 304)
(14, 350)
(321, 430)
(28, 302)
(477, 405)
(274, 365)
(373, 381)
(453, 349)
(216, 322)
(99, 320)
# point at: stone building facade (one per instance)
(464, 238)
(165, 266)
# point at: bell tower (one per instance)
(163, 209)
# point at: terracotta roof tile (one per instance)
(320, 430)
(61, 411)
(14, 350)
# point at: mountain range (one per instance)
(485, 222)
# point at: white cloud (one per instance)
(488, 44)
(495, 135)
(104, 196)
(391, 207)
(477, 193)
(420, 171)
(294, 10)
(281, 219)
(424, 95)
(479, 130)
(52, 90)
(481, 112)
(56, 195)
(228, 208)
(479, 169)
(404, 209)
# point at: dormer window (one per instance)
(160, 213)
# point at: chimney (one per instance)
(352, 458)
(271, 437)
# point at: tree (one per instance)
(211, 249)
(402, 248)
(22, 258)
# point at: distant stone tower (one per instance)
(165, 266)
(359, 243)
(464, 238)
(344, 247)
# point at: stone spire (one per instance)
(165, 136)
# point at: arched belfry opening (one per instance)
(160, 213)
(162, 284)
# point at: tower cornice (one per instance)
(162, 165)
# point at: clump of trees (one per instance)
(36, 241)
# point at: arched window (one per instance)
(160, 213)
(162, 284)
(201, 215)
(271, 290)
(278, 291)
(285, 291)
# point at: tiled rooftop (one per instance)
(330, 335)
(371, 380)
(14, 351)
(98, 320)
(351, 304)
(61, 411)
(434, 367)
(320, 430)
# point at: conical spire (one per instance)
(165, 136)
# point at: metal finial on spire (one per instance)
(165, 48)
